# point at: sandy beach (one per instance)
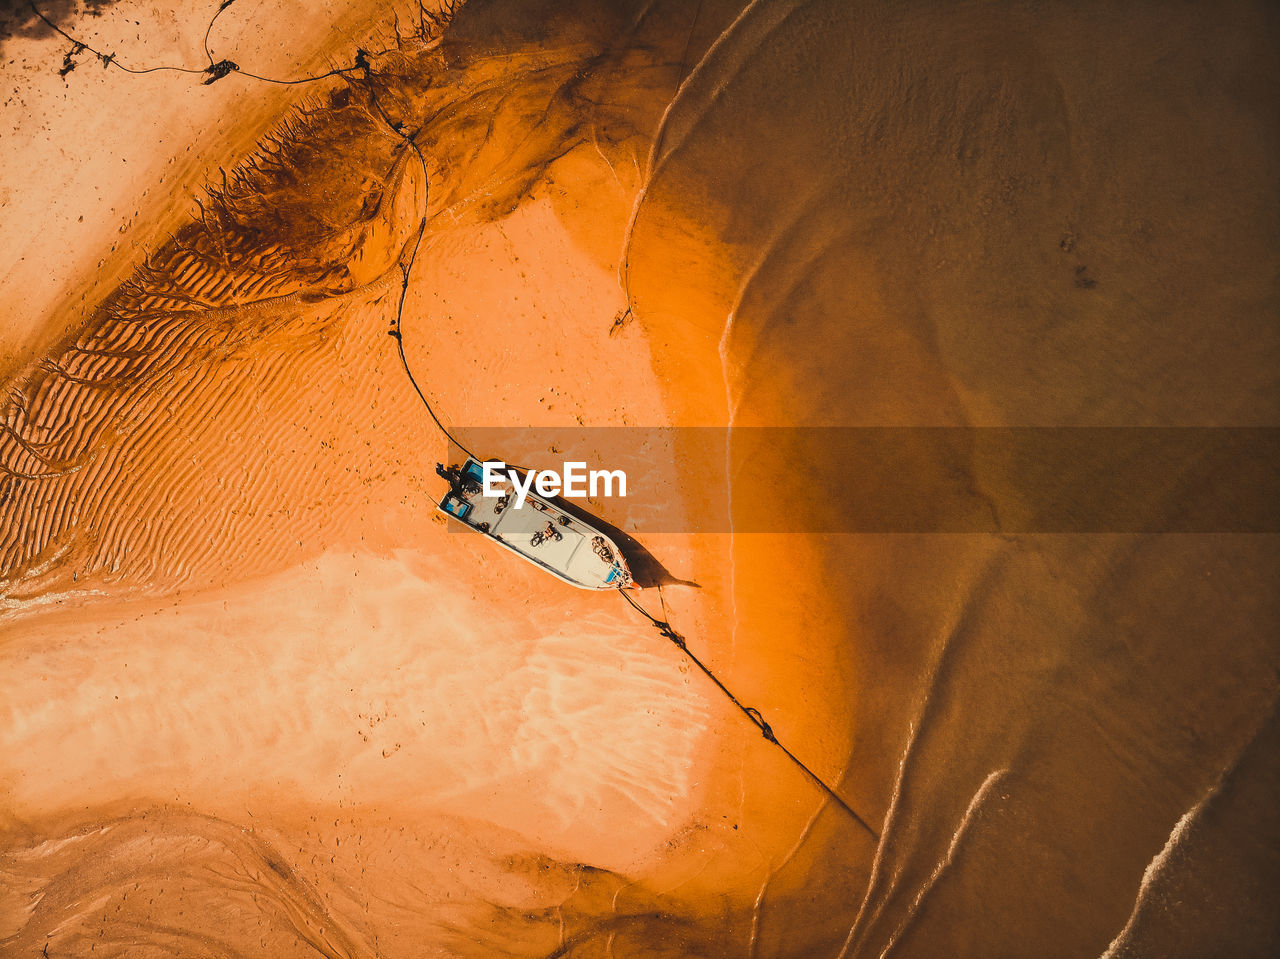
(260, 699)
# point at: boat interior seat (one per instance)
(456, 507)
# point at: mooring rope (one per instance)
(665, 628)
(396, 331)
(213, 72)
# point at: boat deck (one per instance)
(541, 533)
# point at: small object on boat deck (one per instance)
(566, 546)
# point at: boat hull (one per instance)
(540, 532)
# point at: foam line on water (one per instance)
(1178, 837)
(957, 837)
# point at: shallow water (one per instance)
(257, 702)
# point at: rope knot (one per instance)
(219, 70)
(666, 630)
(765, 729)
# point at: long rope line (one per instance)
(108, 59)
(399, 338)
(406, 267)
(209, 28)
(213, 72)
(666, 629)
(663, 625)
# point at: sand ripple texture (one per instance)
(155, 447)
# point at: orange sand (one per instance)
(258, 619)
(259, 699)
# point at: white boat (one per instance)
(564, 544)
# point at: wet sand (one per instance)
(101, 166)
(259, 699)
